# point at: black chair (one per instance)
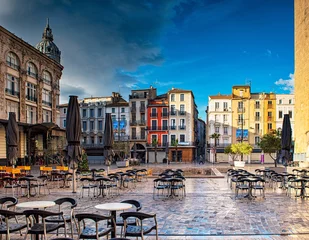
(10, 183)
(7, 202)
(6, 228)
(87, 184)
(69, 218)
(90, 231)
(161, 185)
(43, 228)
(141, 229)
(42, 182)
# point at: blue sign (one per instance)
(244, 136)
(119, 124)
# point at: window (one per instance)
(217, 141)
(164, 140)
(91, 112)
(217, 129)
(173, 138)
(182, 97)
(257, 128)
(100, 125)
(182, 124)
(256, 140)
(64, 110)
(182, 138)
(173, 97)
(133, 117)
(12, 85)
(173, 124)
(269, 114)
(257, 116)
(257, 105)
(143, 133)
(164, 112)
(240, 105)
(122, 110)
(153, 112)
(225, 117)
(280, 114)
(84, 113)
(280, 101)
(32, 70)
(113, 117)
(91, 125)
(31, 115)
(182, 109)
(290, 114)
(100, 139)
(216, 118)
(12, 61)
(290, 101)
(225, 106)
(153, 138)
(46, 77)
(217, 105)
(46, 116)
(113, 110)
(173, 110)
(225, 131)
(64, 123)
(164, 125)
(31, 92)
(123, 117)
(240, 119)
(84, 126)
(46, 98)
(12, 107)
(85, 140)
(269, 126)
(92, 140)
(153, 124)
(99, 112)
(134, 133)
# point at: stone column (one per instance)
(22, 96)
(39, 102)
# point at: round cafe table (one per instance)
(113, 208)
(36, 205)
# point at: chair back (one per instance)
(135, 203)
(139, 215)
(72, 201)
(91, 216)
(5, 200)
(41, 213)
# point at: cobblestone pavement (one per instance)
(210, 211)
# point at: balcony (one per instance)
(153, 115)
(32, 74)
(182, 113)
(217, 123)
(172, 127)
(269, 119)
(31, 98)
(141, 123)
(12, 65)
(257, 118)
(48, 82)
(138, 138)
(241, 110)
(173, 113)
(12, 92)
(133, 109)
(142, 109)
(49, 104)
(182, 127)
(133, 123)
(157, 128)
(241, 122)
(164, 114)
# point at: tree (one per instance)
(155, 145)
(238, 149)
(271, 143)
(175, 144)
(83, 163)
(215, 136)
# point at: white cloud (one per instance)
(286, 84)
(268, 53)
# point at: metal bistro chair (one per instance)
(6, 228)
(141, 229)
(241, 185)
(43, 184)
(11, 183)
(68, 218)
(161, 185)
(88, 231)
(87, 184)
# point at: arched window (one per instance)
(47, 77)
(12, 60)
(32, 70)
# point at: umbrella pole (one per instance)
(74, 180)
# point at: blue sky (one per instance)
(206, 46)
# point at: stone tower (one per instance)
(301, 26)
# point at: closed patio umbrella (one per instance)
(108, 138)
(73, 133)
(166, 153)
(12, 138)
(134, 151)
(286, 139)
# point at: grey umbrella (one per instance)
(134, 151)
(12, 138)
(108, 138)
(286, 139)
(73, 133)
(166, 152)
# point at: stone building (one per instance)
(29, 86)
(301, 90)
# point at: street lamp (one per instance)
(241, 92)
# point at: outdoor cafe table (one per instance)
(113, 207)
(36, 205)
(251, 180)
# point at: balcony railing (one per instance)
(11, 92)
(46, 103)
(241, 109)
(157, 128)
(182, 113)
(172, 127)
(133, 109)
(138, 138)
(173, 113)
(133, 123)
(12, 65)
(182, 127)
(153, 115)
(257, 118)
(32, 74)
(142, 109)
(141, 122)
(48, 82)
(31, 98)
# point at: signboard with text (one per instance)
(245, 134)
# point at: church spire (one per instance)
(47, 34)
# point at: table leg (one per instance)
(113, 214)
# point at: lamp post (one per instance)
(242, 120)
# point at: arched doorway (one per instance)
(139, 151)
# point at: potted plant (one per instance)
(236, 150)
